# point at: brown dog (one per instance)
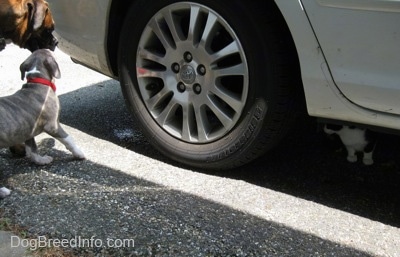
(27, 23)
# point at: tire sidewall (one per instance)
(261, 79)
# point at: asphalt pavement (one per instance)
(125, 199)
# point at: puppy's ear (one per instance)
(26, 66)
(37, 12)
(52, 67)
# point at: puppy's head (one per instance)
(39, 26)
(41, 63)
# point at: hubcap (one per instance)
(192, 72)
(188, 74)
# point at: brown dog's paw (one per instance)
(18, 150)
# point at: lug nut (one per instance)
(197, 88)
(188, 57)
(175, 67)
(201, 69)
(181, 87)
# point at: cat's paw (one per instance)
(368, 161)
(352, 158)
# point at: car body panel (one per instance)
(81, 29)
(360, 41)
(83, 36)
(324, 99)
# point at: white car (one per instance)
(217, 83)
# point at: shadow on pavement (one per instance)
(306, 164)
(83, 200)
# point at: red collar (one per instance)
(43, 81)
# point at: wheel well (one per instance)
(270, 11)
(117, 15)
(294, 60)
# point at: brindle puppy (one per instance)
(34, 109)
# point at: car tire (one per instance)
(187, 107)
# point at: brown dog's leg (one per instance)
(18, 150)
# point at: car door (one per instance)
(361, 43)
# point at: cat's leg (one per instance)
(367, 159)
(351, 154)
(368, 152)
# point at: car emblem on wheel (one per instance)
(188, 74)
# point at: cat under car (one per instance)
(355, 140)
(34, 109)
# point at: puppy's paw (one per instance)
(4, 192)
(41, 160)
(79, 155)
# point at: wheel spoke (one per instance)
(157, 99)
(188, 122)
(167, 113)
(194, 16)
(208, 32)
(174, 28)
(203, 125)
(147, 55)
(230, 49)
(229, 98)
(235, 70)
(159, 31)
(219, 113)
